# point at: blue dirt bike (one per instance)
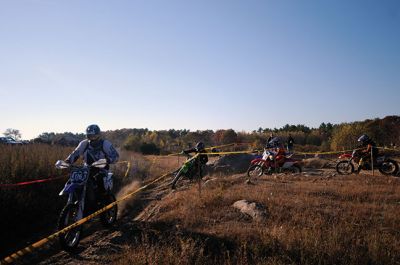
(83, 199)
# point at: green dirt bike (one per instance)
(190, 169)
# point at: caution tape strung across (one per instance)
(343, 151)
(389, 149)
(212, 147)
(25, 183)
(323, 153)
(209, 153)
(29, 249)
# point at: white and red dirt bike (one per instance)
(267, 165)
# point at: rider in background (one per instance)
(279, 149)
(290, 143)
(202, 159)
(369, 147)
(92, 149)
(200, 148)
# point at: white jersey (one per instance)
(93, 151)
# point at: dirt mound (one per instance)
(230, 164)
(318, 163)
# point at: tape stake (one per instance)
(128, 169)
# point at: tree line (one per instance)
(328, 136)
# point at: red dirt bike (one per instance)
(348, 161)
(267, 165)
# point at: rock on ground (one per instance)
(256, 210)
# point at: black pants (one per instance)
(98, 177)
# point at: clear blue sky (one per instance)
(196, 64)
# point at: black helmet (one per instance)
(363, 138)
(274, 142)
(200, 146)
(93, 132)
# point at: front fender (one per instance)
(345, 156)
(68, 188)
(257, 160)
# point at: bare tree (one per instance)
(14, 133)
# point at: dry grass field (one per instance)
(312, 218)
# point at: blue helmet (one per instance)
(93, 132)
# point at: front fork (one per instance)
(265, 165)
(74, 198)
(362, 164)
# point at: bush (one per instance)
(149, 149)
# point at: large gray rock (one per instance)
(231, 164)
(256, 210)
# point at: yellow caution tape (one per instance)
(230, 153)
(213, 147)
(323, 153)
(344, 151)
(390, 149)
(220, 146)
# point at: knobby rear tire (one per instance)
(109, 217)
(296, 169)
(395, 169)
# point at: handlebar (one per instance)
(101, 163)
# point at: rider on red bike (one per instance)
(279, 150)
(369, 148)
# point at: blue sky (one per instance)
(196, 64)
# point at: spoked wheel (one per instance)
(177, 177)
(296, 169)
(389, 167)
(255, 171)
(344, 168)
(109, 217)
(69, 215)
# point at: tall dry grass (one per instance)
(314, 220)
(25, 210)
